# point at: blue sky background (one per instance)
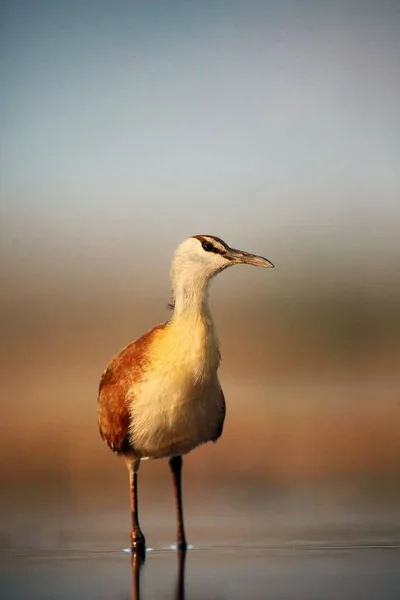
(127, 126)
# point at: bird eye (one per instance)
(207, 246)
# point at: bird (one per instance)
(160, 396)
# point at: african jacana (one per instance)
(160, 397)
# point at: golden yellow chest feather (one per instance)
(178, 403)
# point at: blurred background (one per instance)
(127, 126)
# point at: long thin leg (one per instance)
(138, 543)
(175, 463)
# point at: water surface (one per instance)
(294, 551)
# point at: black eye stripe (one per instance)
(208, 247)
(206, 240)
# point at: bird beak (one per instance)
(240, 257)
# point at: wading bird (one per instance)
(160, 397)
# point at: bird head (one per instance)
(203, 256)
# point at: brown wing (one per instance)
(124, 370)
(220, 428)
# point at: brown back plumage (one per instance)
(125, 369)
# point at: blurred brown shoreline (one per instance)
(312, 383)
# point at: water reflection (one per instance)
(137, 565)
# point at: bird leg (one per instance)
(175, 462)
(138, 543)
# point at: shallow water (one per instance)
(230, 572)
(296, 551)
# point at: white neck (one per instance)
(192, 322)
(191, 296)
